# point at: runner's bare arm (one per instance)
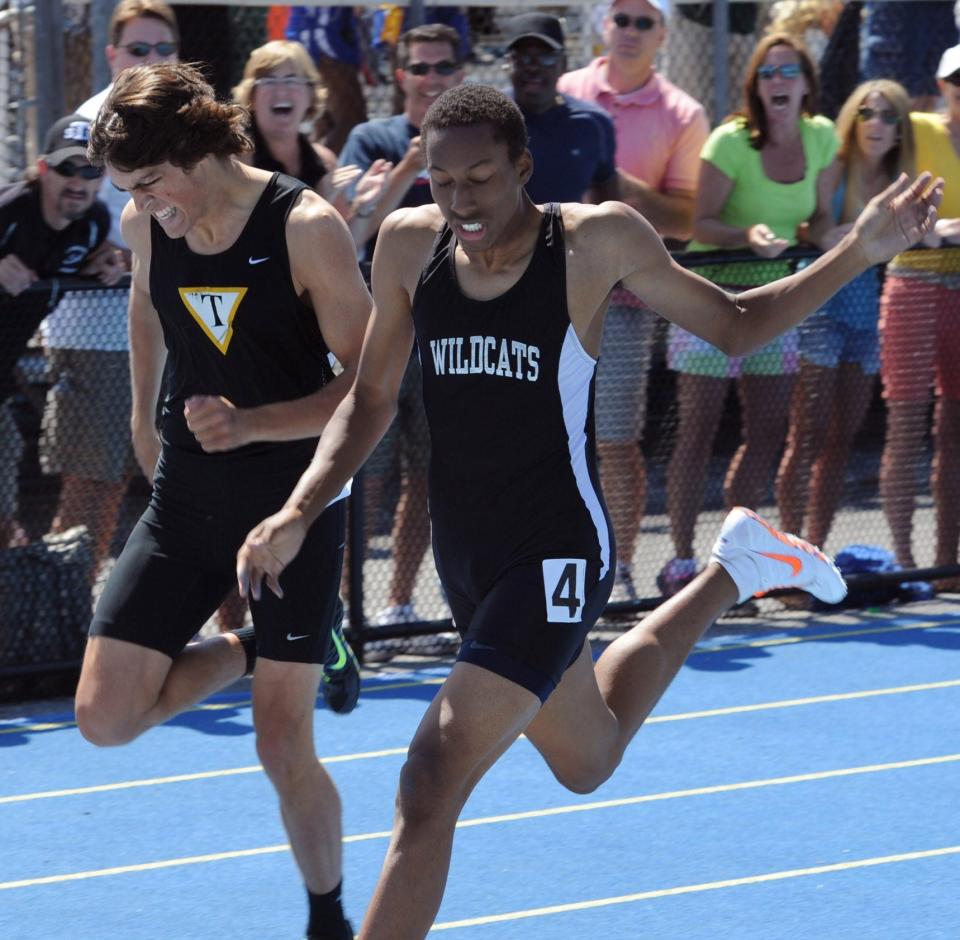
(323, 266)
(362, 417)
(892, 222)
(148, 353)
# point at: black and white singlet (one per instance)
(508, 391)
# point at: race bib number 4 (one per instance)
(563, 586)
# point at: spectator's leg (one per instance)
(906, 428)
(94, 504)
(700, 405)
(621, 409)
(410, 538)
(764, 404)
(851, 401)
(810, 409)
(11, 450)
(945, 480)
(908, 311)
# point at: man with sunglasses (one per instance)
(86, 436)
(571, 141)
(660, 132)
(429, 62)
(50, 224)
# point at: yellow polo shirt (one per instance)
(936, 155)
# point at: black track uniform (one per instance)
(233, 326)
(521, 536)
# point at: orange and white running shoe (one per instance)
(760, 558)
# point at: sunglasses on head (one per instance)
(446, 67)
(787, 70)
(142, 49)
(886, 115)
(953, 79)
(643, 23)
(285, 81)
(84, 170)
(546, 60)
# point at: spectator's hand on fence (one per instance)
(15, 276)
(899, 217)
(763, 242)
(215, 422)
(267, 550)
(107, 264)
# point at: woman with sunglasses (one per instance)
(920, 348)
(839, 345)
(282, 90)
(763, 174)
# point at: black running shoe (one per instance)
(341, 671)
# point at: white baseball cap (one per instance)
(949, 62)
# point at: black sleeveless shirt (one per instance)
(508, 391)
(232, 322)
(312, 169)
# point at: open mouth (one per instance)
(780, 100)
(165, 214)
(282, 108)
(470, 231)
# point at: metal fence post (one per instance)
(48, 63)
(100, 11)
(721, 54)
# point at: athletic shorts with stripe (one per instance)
(180, 560)
(530, 624)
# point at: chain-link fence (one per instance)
(797, 430)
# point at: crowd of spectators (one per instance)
(633, 124)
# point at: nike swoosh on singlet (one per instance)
(795, 563)
(302, 636)
(253, 260)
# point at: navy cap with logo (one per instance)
(66, 138)
(540, 26)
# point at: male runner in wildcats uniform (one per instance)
(506, 301)
(245, 281)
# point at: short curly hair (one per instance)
(165, 113)
(471, 104)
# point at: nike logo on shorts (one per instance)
(253, 260)
(292, 638)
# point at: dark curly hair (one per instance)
(165, 113)
(469, 105)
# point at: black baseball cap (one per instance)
(540, 26)
(66, 138)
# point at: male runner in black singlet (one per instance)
(244, 282)
(506, 301)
